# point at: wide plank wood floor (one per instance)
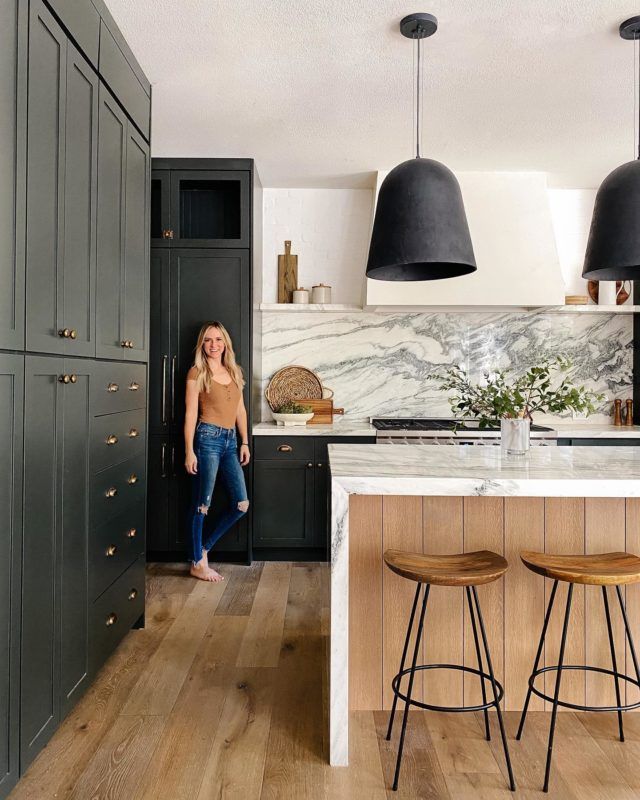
(222, 696)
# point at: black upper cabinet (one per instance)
(123, 254)
(159, 343)
(61, 192)
(13, 50)
(11, 410)
(200, 208)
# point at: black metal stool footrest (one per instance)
(395, 685)
(584, 668)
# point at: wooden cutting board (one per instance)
(323, 411)
(287, 274)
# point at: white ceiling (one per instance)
(320, 92)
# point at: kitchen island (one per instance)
(455, 499)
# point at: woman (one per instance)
(214, 408)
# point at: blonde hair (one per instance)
(201, 363)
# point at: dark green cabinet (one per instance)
(54, 651)
(295, 468)
(61, 192)
(13, 74)
(11, 411)
(122, 260)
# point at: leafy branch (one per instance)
(502, 396)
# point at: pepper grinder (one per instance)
(628, 420)
(617, 412)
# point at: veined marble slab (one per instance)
(587, 430)
(340, 427)
(414, 470)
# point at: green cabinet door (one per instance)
(40, 663)
(11, 410)
(45, 187)
(13, 52)
(112, 143)
(80, 205)
(72, 541)
(283, 499)
(158, 520)
(135, 285)
(159, 345)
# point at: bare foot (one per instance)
(202, 571)
(217, 577)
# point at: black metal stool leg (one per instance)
(512, 783)
(547, 617)
(628, 632)
(404, 657)
(556, 693)
(613, 660)
(480, 667)
(410, 689)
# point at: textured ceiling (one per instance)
(319, 92)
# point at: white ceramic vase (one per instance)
(515, 437)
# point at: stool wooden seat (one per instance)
(461, 569)
(603, 569)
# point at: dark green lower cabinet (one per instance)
(291, 491)
(11, 410)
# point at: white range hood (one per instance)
(514, 244)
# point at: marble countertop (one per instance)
(546, 471)
(583, 429)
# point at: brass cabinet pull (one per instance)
(285, 448)
(123, 343)
(73, 333)
(111, 550)
(73, 378)
(112, 439)
(111, 492)
(133, 386)
(173, 389)
(64, 378)
(132, 344)
(132, 479)
(164, 389)
(112, 387)
(111, 619)
(163, 453)
(309, 464)
(132, 594)
(319, 465)
(64, 333)
(173, 460)
(167, 233)
(133, 433)
(131, 533)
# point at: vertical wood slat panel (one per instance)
(631, 593)
(484, 530)
(444, 636)
(604, 532)
(401, 530)
(365, 602)
(564, 535)
(523, 598)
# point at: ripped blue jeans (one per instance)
(217, 452)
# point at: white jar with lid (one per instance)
(321, 293)
(301, 295)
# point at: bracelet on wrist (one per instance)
(244, 444)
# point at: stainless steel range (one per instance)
(434, 431)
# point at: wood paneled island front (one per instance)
(460, 499)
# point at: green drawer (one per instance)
(289, 448)
(118, 387)
(114, 546)
(117, 437)
(117, 488)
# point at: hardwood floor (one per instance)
(222, 696)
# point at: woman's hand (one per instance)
(245, 455)
(191, 463)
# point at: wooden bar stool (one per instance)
(466, 570)
(605, 569)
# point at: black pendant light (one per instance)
(420, 231)
(613, 248)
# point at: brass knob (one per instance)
(285, 448)
(133, 433)
(131, 343)
(133, 594)
(131, 533)
(309, 464)
(124, 343)
(133, 386)
(73, 333)
(64, 333)
(112, 387)
(167, 233)
(111, 492)
(64, 378)
(112, 439)
(318, 465)
(111, 619)
(111, 550)
(73, 378)
(132, 479)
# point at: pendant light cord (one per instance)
(419, 30)
(636, 88)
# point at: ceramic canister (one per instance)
(321, 293)
(300, 295)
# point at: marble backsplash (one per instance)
(377, 364)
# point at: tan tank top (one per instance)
(219, 406)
